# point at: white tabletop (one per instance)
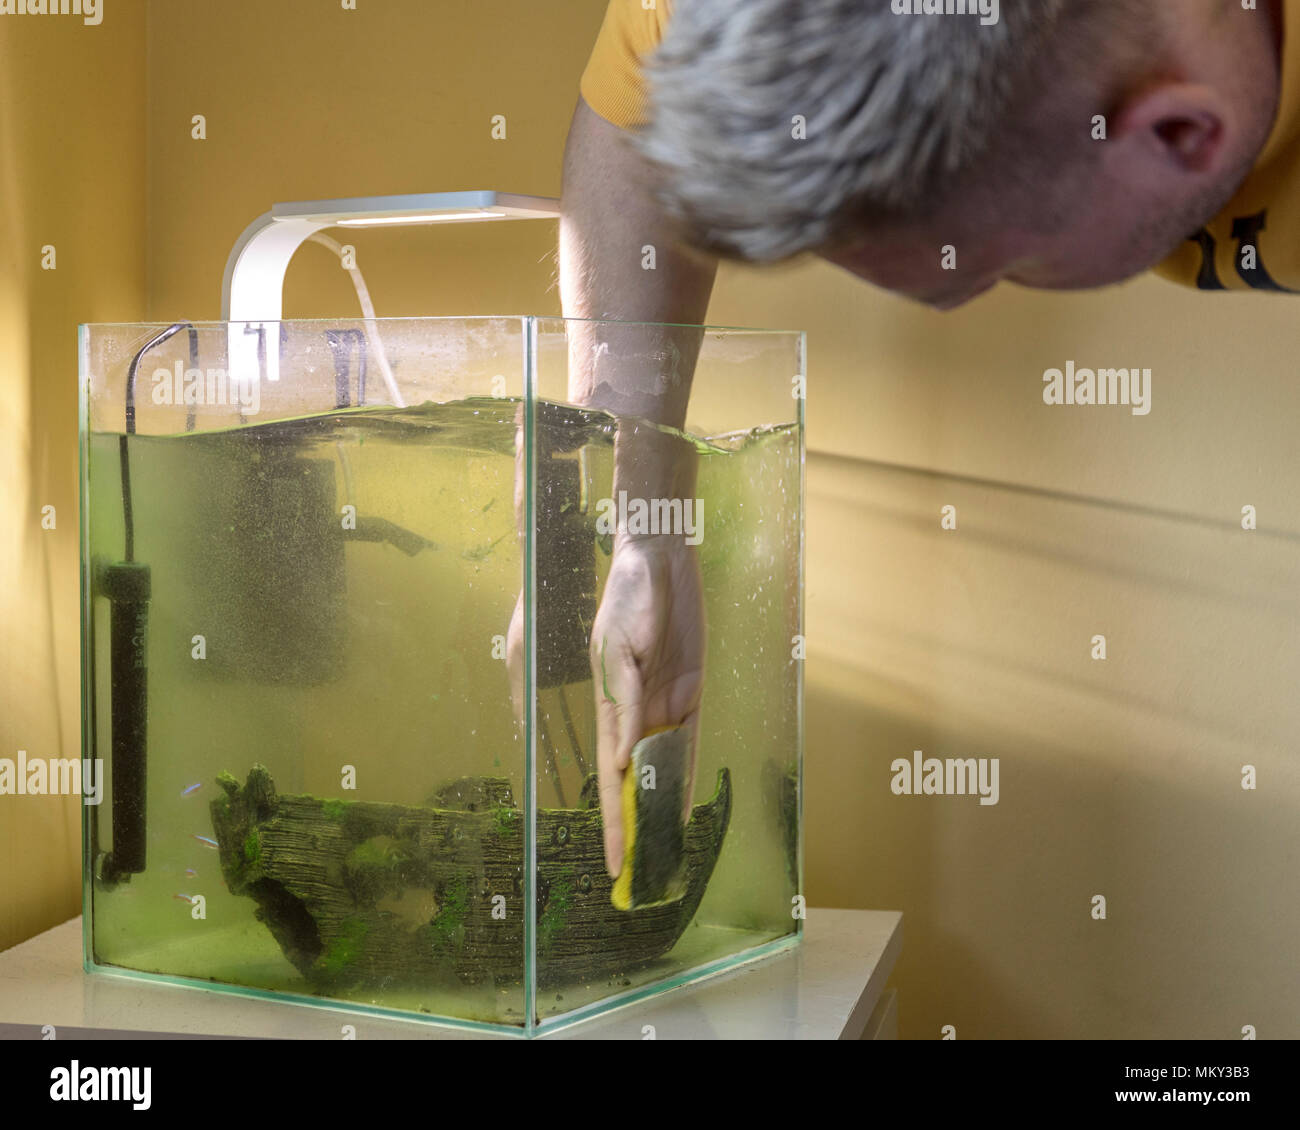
(826, 988)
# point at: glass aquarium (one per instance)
(378, 636)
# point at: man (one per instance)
(1059, 144)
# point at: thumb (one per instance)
(692, 725)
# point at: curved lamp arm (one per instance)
(252, 292)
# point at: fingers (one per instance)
(692, 725)
(611, 813)
(629, 714)
(619, 713)
(515, 659)
(611, 781)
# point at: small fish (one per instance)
(190, 871)
(184, 898)
(204, 840)
(482, 552)
(190, 788)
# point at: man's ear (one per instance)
(1176, 127)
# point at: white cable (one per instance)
(368, 312)
(348, 495)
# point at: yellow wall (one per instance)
(1118, 778)
(305, 101)
(72, 174)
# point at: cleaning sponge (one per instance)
(654, 838)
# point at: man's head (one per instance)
(878, 137)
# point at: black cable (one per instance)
(128, 517)
(573, 734)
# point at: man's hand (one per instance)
(649, 634)
(647, 660)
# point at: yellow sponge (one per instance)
(654, 840)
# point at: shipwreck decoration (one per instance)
(369, 893)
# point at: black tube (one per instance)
(128, 517)
(134, 367)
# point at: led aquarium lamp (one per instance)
(252, 292)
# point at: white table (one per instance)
(832, 986)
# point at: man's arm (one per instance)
(609, 216)
(648, 641)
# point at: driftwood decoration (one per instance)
(367, 893)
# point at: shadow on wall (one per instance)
(1119, 777)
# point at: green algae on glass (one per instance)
(481, 552)
(447, 927)
(507, 821)
(374, 868)
(378, 851)
(346, 947)
(557, 910)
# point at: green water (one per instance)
(372, 656)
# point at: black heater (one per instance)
(126, 585)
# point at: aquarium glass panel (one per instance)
(340, 581)
(669, 497)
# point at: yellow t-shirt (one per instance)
(1253, 244)
(612, 84)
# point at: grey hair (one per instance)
(895, 106)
